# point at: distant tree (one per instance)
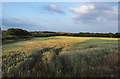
(111, 35)
(17, 32)
(117, 35)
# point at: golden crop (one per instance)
(23, 50)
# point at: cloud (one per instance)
(18, 23)
(94, 13)
(53, 9)
(82, 10)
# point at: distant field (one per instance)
(61, 56)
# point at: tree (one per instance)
(117, 35)
(17, 32)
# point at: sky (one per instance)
(101, 17)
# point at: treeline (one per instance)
(81, 34)
(15, 33)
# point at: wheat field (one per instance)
(61, 56)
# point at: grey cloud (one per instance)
(84, 18)
(53, 9)
(18, 23)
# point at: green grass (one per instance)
(95, 46)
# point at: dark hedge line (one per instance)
(16, 33)
(42, 34)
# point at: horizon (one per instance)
(63, 32)
(73, 17)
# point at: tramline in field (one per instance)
(61, 56)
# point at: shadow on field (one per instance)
(27, 66)
(83, 65)
(42, 69)
(34, 66)
(92, 58)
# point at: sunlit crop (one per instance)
(50, 54)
